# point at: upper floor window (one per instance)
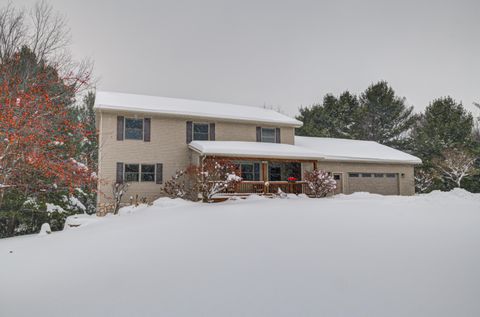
(268, 135)
(133, 129)
(200, 131)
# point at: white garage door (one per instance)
(376, 183)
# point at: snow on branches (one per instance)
(38, 136)
(320, 183)
(209, 178)
(424, 180)
(455, 165)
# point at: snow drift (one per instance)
(356, 255)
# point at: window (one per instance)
(133, 129)
(148, 173)
(274, 172)
(378, 175)
(131, 172)
(200, 131)
(268, 135)
(391, 175)
(250, 171)
(336, 177)
(367, 175)
(353, 175)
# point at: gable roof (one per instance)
(253, 150)
(332, 149)
(190, 108)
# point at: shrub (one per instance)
(320, 183)
(205, 180)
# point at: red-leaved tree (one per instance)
(38, 136)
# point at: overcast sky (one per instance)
(276, 52)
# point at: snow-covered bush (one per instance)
(118, 190)
(202, 181)
(424, 180)
(213, 177)
(320, 183)
(176, 186)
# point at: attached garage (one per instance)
(377, 183)
(364, 166)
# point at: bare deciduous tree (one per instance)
(455, 165)
(46, 33)
(12, 31)
(118, 190)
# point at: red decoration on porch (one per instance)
(292, 179)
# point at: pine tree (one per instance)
(445, 124)
(335, 117)
(383, 117)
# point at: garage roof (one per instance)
(333, 149)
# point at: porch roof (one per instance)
(254, 150)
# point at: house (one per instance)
(144, 140)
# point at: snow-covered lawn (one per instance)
(358, 255)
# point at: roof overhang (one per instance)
(259, 150)
(195, 116)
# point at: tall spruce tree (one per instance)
(335, 117)
(445, 124)
(383, 117)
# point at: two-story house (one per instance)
(144, 140)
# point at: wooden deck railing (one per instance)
(260, 187)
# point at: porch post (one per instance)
(264, 176)
(314, 165)
(264, 171)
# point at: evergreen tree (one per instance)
(445, 124)
(383, 117)
(335, 117)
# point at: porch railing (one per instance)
(260, 187)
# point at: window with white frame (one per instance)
(201, 132)
(132, 172)
(133, 129)
(148, 173)
(268, 135)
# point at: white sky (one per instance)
(280, 53)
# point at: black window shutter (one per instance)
(277, 135)
(189, 131)
(159, 173)
(120, 120)
(259, 134)
(146, 129)
(212, 131)
(119, 173)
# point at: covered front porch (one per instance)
(265, 168)
(268, 176)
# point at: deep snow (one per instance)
(357, 255)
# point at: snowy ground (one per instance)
(358, 255)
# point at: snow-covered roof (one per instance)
(190, 108)
(332, 149)
(253, 149)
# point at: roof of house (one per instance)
(308, 148)
(190, 108)
(253, 150)
(332, 149)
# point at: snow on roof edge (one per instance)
(301, 154)
(277, 118)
